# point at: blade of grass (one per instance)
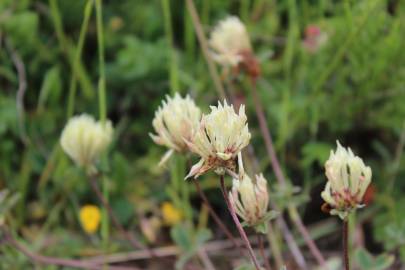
(204, 47)
(68, 50)
(105, 224)
(334, 63)
(173, 67)
(77, 56)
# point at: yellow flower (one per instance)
(84, 139)
(348, 179)
(222, 134)
(90, 218)
(171, 215)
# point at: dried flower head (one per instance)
(250, 200)
(84, 139)
(90, 218)
(229, 41)
(175, 122)
(222, 134)
(348, 179)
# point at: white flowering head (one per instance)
(250, 199)
(84, 139)
(221, 135)
(229, 41)
(348, 179)
(175, 122)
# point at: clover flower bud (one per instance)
(250, 200)
(84, 139)
(348, 179)
(221, 135)
(175, 122)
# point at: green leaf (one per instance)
(51, 87)
(22, 28)
(202, 236)
(383, 261)
(181, 237)
(366, 261)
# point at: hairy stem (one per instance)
(238, 225)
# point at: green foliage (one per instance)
(366, 261)
(350, 88)
(189, 241)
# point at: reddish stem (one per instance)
(216, 218)
(261, 248)
(58, 261)
(279, 173)
(96, 190)
(238, 225)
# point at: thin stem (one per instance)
(261, 248)
(173, 74)
(100, 43)
(135, 243)
(275, 249)
(346, 244)
(305, 234)
(280, 176)
(105, 226)
(22, 88)
(204, 47)
(238, 225)
(57, 261)
(292, 244)
(76, 60)
(215, 216)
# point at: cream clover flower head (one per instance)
(250, 200)
(83, 139)
(348, 179)
(229, 41)
(175, 122)
(221, 135)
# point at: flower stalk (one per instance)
(94, 185)
(238, 224)
(280, 176)
(263, 254)
(215, 216)
(346, 244)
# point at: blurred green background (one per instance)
(331, 70)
